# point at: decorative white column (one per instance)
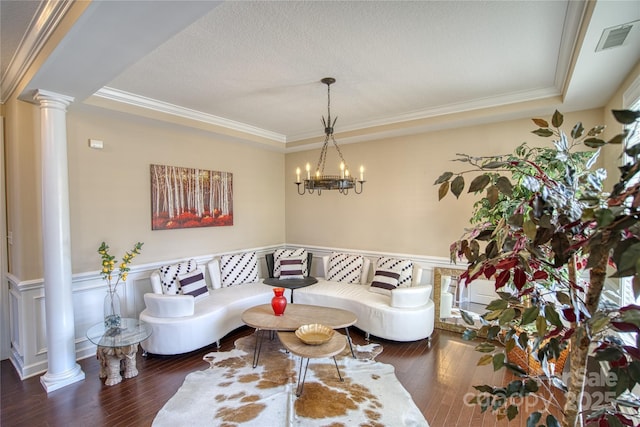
(56, 244)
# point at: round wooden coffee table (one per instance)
(261, 318)
(291, 342)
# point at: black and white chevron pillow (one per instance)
(169, 276)
(238, 269)
(279, 254)
(345, 268)
(402, 266)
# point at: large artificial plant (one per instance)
(546, 232)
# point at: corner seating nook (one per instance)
(184, 323)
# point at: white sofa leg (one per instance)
(218, 344)
(366, 336)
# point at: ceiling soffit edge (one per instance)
(43, 25)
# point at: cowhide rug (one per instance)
(232, 393)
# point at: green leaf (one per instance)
(484, 360)
(505, 186)
(563, 298)
(531, 386)
(626, 117)
(552, 421)
(533, 419)
(577, 131)
(467, 318)
(552, 316)
(610, 354)
(493, 165)
(457, 186)
(516, 220)
(596, 130)
(523, 340)
(485, 347)
(443, 190)
(541, 326)
(543, 132)
(530, 229)
(619, 138)
(443, 178)
(498, 361)
(594, 142)
(557, 119)
(604, 217)
(613, 421)
(598, 322)
(529, 315)
(492, 195)
(497, 304)
(512, 412)
(469, 335)
(629, 258)
(479, 183)
(541, 123)
(507, 316)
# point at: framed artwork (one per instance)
(188, 198)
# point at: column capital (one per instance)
(55, 99)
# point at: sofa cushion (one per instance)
(169, 276)
(384, 281)
(403, 266)
(239, 268)
(194, 284)
(279, 254)
(345, 268)
(291, 267)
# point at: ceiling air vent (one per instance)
(614, 36)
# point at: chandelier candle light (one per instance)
(320, 181)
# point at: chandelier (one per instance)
(319, 181)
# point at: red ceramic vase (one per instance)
(279, 301)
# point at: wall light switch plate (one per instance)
(96, 143)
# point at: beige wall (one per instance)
(399, 209)
(110, 188)
(23, 186)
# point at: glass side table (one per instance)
(117, 348)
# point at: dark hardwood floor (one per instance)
(437, 373)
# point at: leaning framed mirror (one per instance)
(453, 299)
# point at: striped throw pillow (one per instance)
(194, 284)
(279, 254)
(384, 281)
(402, 266)
(291, 268)
(345, 268)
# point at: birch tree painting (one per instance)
(187, 198)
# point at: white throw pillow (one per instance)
(402, 266)
(239, 268)
(384, 281)
(194, 284)
(345, 268)
(291, 268)
(169, 276)
(287, 253)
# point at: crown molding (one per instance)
(41, 28)
(175, 110)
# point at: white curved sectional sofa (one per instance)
(181, 324)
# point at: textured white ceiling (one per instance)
(257, 65)
(261, 62)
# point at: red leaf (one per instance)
(519, 278)
(624, 326)
(569, 314)
(540, 275)
(507, 264)
(502, 278)
(489, 271)
(568, 333)
(624, 420)
(630, 307)
(633, 351)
